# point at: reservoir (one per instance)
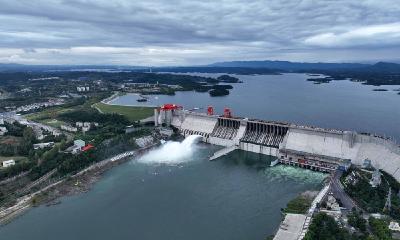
(342, 105)
(175, 193)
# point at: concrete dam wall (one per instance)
(302, 146)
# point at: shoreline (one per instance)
(119, 94)
(110, 98)
(300, 221)
(78, 183)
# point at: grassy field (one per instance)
(54, 123)
(132, 113)
(47, 114)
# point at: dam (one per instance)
(308, 147)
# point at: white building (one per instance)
(69, 128)
(42, 145)
(77, 147)
(83, 89)
(394, 226)
(79, 143)
(79, 124)
(85, 128)
(1, 121)
(8, 163)
(376, 178)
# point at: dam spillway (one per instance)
(303, 146)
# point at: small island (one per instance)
(380, 90)
(320, 80)
(218, 92)
(228, 79)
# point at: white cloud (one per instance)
(195, 32)
(383, 34)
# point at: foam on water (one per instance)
(172, 152)
(285, 173)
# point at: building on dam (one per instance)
(303, 146)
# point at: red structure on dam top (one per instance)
(210, 110)
(227, 113)
(170, 106)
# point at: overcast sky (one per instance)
(172, 32)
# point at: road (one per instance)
(22, 120)
(338, 192)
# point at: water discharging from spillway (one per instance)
(172, 152)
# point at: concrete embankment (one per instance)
(223, 152)
(112, 97)
(295, 226)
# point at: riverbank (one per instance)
(112, 97)
(295, 224)
(80, 182)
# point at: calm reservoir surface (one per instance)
(342, 105)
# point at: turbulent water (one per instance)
(172, 152)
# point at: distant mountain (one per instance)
(234, 67)
(289, 66)
(385, 67)
(22, 67)
(208, 69)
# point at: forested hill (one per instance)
(381, 73)
(289, 66)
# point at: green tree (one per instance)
(325, 227)
(357, 221)
(380, 228)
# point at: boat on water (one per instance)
(141, 100)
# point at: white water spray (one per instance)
(172, 152)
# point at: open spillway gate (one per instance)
(226, 128)
(265, 134)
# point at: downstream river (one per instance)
(236, 197)
(175, 193)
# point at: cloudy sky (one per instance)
(187, 32)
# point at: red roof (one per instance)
(87, 147)
(170, 106)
